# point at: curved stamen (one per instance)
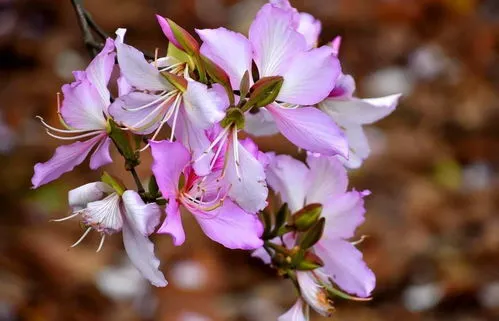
(74, 137)
(163, 96)
(103, 238)
(66, 218)
(235, 149)
(171, 67)
(174, 124)
(218, 151)
(213, 144)
(82, 237)
(62, 131)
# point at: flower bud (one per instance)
(309, 262)
(265, 91)
(313, 235)
(307, 216)
(219, 76)
(178, 36)
(122, 143)
(178, 82)
(233, 116)
(114, 182)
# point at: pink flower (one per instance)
(279, 49)
(108, 211)
(83, 113)
(325, 181)
(352, 113)
(204, 197)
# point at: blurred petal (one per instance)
(344, 264)
(101, 155)
(313, 293)
(261, 254)
(169, 160)
(139, 219)
(232, 227)
(229, 50)
(78, 198)
(100, 69)
(287, 177)
(310, 129)
(296, 313)
(260, 124)
(327, 178)
(336, 44)
(358, 144)
(310, 28)
(343, 213)
(65, 158)
(310, 77)
(172, 224)
(275, 41)
(343, 88)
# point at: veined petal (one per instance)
(310, 129)
(343, 213)
(79, 197)
(202, 105)
(361, 111)
(310, 77)
(65, 158)
(100, 69)
(101, 155)
(248, 187)
(344, 264)
(170, 159)
(287, 177)
(296, 313)
(310, 28)
(260, 124)
(82, 106)
(137, 71)
(230, 50)
(313, 293)
(327, 178)
(140, 220)
(232, 227)
(104, 215)
(358, 145)
(172, 225)
(139, 111)
(275, 41)
(343, 88)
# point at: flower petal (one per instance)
(358, 144)
(202, 105)
(344, 213)
(327, 178)
(140, 217)
(343, 88)
(100, 69)
(79, 197)
(260, 124)
(287, 177)
(101, 155)
(137, 71)
(296, 313)
(170, 159)
(310, 129)
(104, 215)
(65, 158)
(313, 293)
(248, 187)
(310, 77)
(82, 106)
(173, 223)
(230, 50)
(344, 264)
(275, 41)
(310, 28)
(261, 254)
(232, 227)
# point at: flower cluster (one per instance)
(187, 109)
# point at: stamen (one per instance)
(171, 67)
(235, 149)
(218, 151)
(156, 58)
(217, 139)
(62, 131)
(362, 239)
(67, 217)
(103, 238)
(174, 124)
(74, 137)
(82, 237)
(162, 96)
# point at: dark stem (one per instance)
(93, 46)
(101, 33)
(136, 178)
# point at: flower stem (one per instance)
(136, 178)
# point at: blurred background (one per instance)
(432, 218)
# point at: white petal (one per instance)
(105, 215)
(81, 196)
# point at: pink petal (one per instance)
(139, 218)
(232, 227)
(336, 44)
(344, 264)
(327, 178)
(82, 106)
(229, 50)
(260, 124)
(100, 69)
(296, 313)
(343, 213)
(310, 28)
(167, 31)
(275, 41)
(310, 77)
(287, 177)
(202, 105)
(310, 129)
(169, 160)
(78, 198)
(343, 88)
(249, 188)
(65, 158)
(101, 155)
(172, 225)
(261, 254)
(135, 68)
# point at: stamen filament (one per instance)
(103, 238)
(62, 131)
(66, 218)
(74, 137)
(82, 237)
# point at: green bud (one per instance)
(180, 55)
(309, 262)
(244, 87)
(265, 91)
(114, 182)
(280, 219)
(233, 116)
(186, 41)
(333, 292)
(307, 216)
(219, 76)
(313, 235)
(178, 82)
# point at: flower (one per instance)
(314, 293)
(325, 181)
(279, 49)
(190, 107)
(296, 313)
(83, 114)
(351, 113)
(205, 197)
(109, 211)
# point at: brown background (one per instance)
(432, 218)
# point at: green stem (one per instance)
(136, 178)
